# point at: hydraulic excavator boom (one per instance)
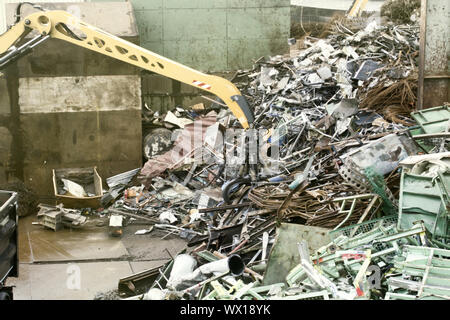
(64, 26)
(356, 8)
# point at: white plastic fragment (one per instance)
(167, 217)
(144, 231)
(74, 189)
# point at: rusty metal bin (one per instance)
(88, 178)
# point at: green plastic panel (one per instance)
(284, 255)
(423, 198)
(363, 227)
(433, 120)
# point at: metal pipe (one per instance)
(22, 49)
(256, 275)
(232, 264)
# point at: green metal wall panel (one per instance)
(213, 35)
(195, 24)
(258, 23)
(198, 4)
(257, 3)
(202, 54)
(147, 4)
(150, 25)
(242, 53)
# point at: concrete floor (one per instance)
(77, 264)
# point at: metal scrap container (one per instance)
(8, 236)
(86, 177)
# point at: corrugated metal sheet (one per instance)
(2, 10)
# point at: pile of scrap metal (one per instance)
(377, 66)
(312, 105)
(367, 241)
(353, 160)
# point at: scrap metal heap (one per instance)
(355, 206)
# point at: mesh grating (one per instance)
(363, 227)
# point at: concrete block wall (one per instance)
(79, 122)
(162, 94)
(79, 108)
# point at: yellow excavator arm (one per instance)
(64, 26)
(356, 8)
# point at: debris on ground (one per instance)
(56, 217)
(108, 295)
(344, 194)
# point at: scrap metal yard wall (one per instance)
(78, 108)
(213, 35)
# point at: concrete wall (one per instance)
(4, 98)
(79, 94)
(79, 108)
(79, 122)
(208, 35)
